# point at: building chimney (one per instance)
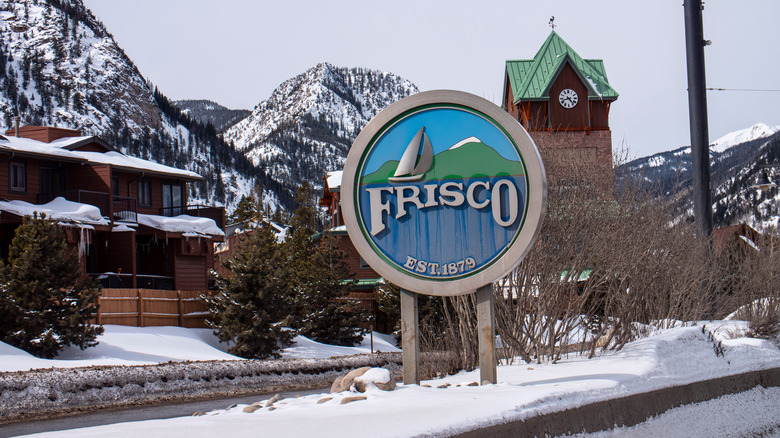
(16, 125)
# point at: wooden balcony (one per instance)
(198, 210)
(120, 208)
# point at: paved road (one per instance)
(110, 416)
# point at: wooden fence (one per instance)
(149, 307)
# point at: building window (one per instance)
(115, 184)
(172, 199)
(145, 193)
(18, 176)
(364, 264)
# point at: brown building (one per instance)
(128, 218)
(563, 101)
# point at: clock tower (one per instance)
(563, 101)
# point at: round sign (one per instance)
(443, 192)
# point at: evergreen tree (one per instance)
(317, 280)
(45, 306)
(327, 316)
(251, 309)
(246, 210)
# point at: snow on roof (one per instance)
(121, 160)
(334, 180)
(20, 144)
(750, 242)
(58, 148)
(59, 209)
(64, 142)
(182, 224)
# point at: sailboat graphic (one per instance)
(410, 168)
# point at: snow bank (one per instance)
(42, 392)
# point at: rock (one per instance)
(376, 376)
(346, 382)
(231, 407)
(269, 403)
(336, 386)
(198, 414)
(353, 398)
(446, 385)
(473, 384)
(324, 400)
(251, 408)
(428, 386)
(272, 408)
(387, 386)
(360, 386)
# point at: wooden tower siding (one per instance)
(574, 118)
(45, 134)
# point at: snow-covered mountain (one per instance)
(737, 159)
(309, 123)
(759, 130)
(59, 66)
(207, 111)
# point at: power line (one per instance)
(741, 89)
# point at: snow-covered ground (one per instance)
(667, 358)
(122, 345)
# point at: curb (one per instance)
(630, 410)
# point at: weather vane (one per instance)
(552, 22)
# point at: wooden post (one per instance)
(181, 317)
(410, 340)
(140, 308)
(486, 334)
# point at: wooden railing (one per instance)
(198, 210)
(98, 199)
(147, 307)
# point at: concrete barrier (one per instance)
(630, 410)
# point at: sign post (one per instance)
(410, 340)
(443, 193)
(486, 334)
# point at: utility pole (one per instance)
(697, 109)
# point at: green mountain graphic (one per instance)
(471, 160)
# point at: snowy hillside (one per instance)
(759, 130)
(308, 124)
(206, 111)
(737, 160)
(59, 66)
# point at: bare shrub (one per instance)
(605, 261)
(749, 283)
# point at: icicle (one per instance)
(82, 242)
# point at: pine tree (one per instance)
(246, 210)
(251, 309)
(45, 306)
(327, 316)
(317, 281)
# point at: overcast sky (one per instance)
(236, 52)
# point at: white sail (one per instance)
(409, 168)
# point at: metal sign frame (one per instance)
(509, 257)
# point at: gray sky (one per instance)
(236, 52)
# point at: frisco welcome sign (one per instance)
(443, 192)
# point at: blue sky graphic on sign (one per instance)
(441, 192)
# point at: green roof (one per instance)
(531, 79)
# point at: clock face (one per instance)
(568, 98)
